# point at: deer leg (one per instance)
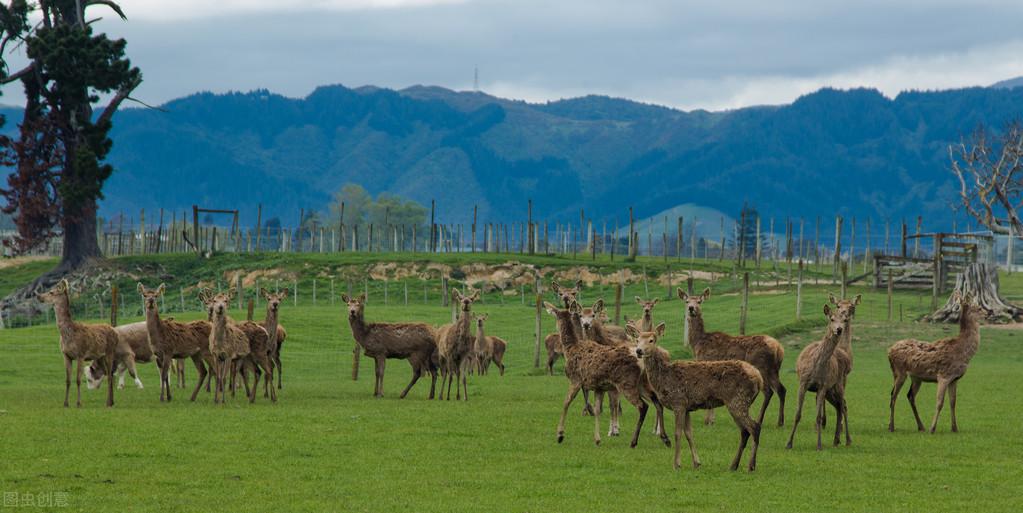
(643, 408)
(268, 363)
(587, 407)
(465, 382)
(745, 425)
(942, 387)
(133, 372)
(836, 401)
(659, 420)
(67, 379)
(799, 414)
(203, 375)
(845, 417)
(433, 378)
(952, 403)
(278, 369)
(417, 371)
(768, 393)
(381, 362)
(821, 395)
(573, 390)
(914, 387)
(708, 420)
(596, 418)
(896, 387)
(613, 398)
(78, 382)
(779, 388)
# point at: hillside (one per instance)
(851, 152)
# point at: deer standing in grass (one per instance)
(401, 340)
(599, 368)
(567, 295)
(132, 347)
(229, 344)
(455, 343)
(761, 351)
(646, 323)
(823, 368)
(81, 342)
(943, 362)
(274, 327)
(171, 340)
(684, 386)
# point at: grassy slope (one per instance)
(329, 445)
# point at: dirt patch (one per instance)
(22, 260)
(251, 278)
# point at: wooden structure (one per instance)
(951, 253)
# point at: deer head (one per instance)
(149, 296)
(273, 300)
(693, 308)
(355, 305)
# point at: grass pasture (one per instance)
(329, 445)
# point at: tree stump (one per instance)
(980, 281)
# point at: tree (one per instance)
(62, 144)
(989, 168)
(356, 200)
(386, 209)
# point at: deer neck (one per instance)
(358, 324)
(462, 325)
(647, 323)
(219, 329)
(696, 330)
(969, 330)
(655, 363)
(62, 313)
(845, 341)
(271, 324)
(567, 331)
(153, 324)
(481, 339)
(824, 354)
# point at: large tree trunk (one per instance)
(80, 241)
(981, 282)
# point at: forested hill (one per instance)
(852, 152)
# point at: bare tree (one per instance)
(990, 172)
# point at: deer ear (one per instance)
(831, 299)
(706, 293)
(656, 300)
(682, 294)
(456, 294)
(631, 330)
(598, 306)
(550, 308)
(475, 295)
(67, 286)
(284, 293)
(856, 300)
(161, 289)
(141, 288)
(345, 298)
(575, 307)
(578, 284)
(485, 316)
(660, 329)
(555, 287)
(263, 292)
(362, 298)
(827, 309)
(639, 300)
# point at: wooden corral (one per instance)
(951, 253)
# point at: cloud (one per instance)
(162, 10)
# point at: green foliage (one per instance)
(385, 209)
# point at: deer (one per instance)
(81, 342)
(761, 351)
(823, 367)
(274, 327)
(229, 344)
(685, 386)
(943, 362)
(455, 344)
(553, 341)
(172, 339)
(598, 368)
(484, 349)
(397, 340)
(646, 323)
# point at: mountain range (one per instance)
(850, 152)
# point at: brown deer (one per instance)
(498, 346)
(171, 339)
(646, 323)
(483, 350)
(81, 342)
(396, 340)
(944, 362)
(823, 368)
(684, 386)
(229, 344)
(455, 344)
(274, 327)
(614, 370)
(761, 351)
(552, 341)
(259, 360)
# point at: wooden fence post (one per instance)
(113, 305)
(890, 287)
(252, 307)
(799, 291)
(618, 301)
(744, 309)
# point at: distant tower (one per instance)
(476, 79)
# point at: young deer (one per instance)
(614, 370)
(823, 368)
(761, 351)
(684, 386)
(484, 349)
(274, 327)
(81, 342)
(171, 340)
(455, 344)
(402, 340)
(567, 295)
(646, 323)
(944, 361)
(229, 344)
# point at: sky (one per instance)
(714, 55)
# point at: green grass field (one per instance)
(329, 445)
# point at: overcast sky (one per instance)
(713, 54)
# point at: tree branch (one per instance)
(19, 75)
(115, 102)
